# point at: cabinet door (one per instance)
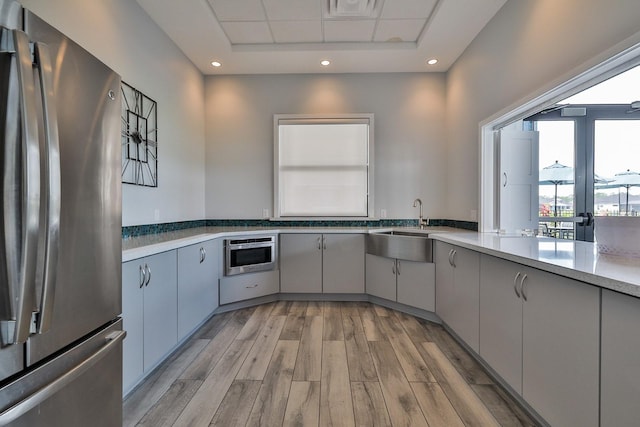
(132, 317)
(501, 318)
(343, 263)
(197, 284)
(381, 277)
(620, 381)
(561, 346)
(416, 284)
(445, 292)
(301, 263)
(160, 307)
(465, 308)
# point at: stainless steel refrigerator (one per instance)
(60, 235)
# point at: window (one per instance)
(323, 166)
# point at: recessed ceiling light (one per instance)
(216, 64)
(325, 62)
(432, 61)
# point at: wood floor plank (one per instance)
(271, 403)
(336, 405)
(309, 361)
(203, 406)
(358, 355)
(371, 324)
(209, 357)
(236, 406)
(464, 363)
(401, 402)
(281, 308)
(503, 407)
(435, 405)
(293, 326)
(350, 308)
(466, 403)
(416, 332)
(332, 322)
(256, 363)
(408, 355)
(368, 405)
(303, 406)
(298, 307)
(211, 328)
(154, 387)
(167, 409)
(315, 308)
(382, 311)
(252, 327)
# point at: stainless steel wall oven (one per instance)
(251, 254)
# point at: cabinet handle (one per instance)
(393, 267)
(523, 290)
(251, 286)
(450, 255)
(319, 246)
(515, 284)
(504, 174)
(203, 255)
(453, 258)
(324, 243)
(146, 266)
(143, 276)
(398, 267)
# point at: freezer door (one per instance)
(80, 387)
(85, 293)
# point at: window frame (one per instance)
(316, 119)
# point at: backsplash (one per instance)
(142, 230)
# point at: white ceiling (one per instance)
(293, 36)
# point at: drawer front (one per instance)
(247, 286)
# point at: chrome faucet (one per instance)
(421, 222)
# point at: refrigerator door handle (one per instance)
(22, 194)
(48, 260)
(48, 390)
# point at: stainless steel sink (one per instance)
(406, 245)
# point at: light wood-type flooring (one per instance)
(320, 364)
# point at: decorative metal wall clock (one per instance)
(139, 138)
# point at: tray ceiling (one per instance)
(292, 36)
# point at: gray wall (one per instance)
(409, 136)
(527, 45)
(123, 36)
(410, 149)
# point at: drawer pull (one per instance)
(252, 286)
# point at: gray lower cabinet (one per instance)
(316, 263)
(198, 274)
(408, 282)
(250, 285)
(457, 290)
(381, 277)
(559, 320)
(620, 364)
(149, 313)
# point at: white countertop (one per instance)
(576, 260)
(573, 259)
(138, 247)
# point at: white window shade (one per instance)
(323, 168)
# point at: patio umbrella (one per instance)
(556, 174)
(625, 179)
